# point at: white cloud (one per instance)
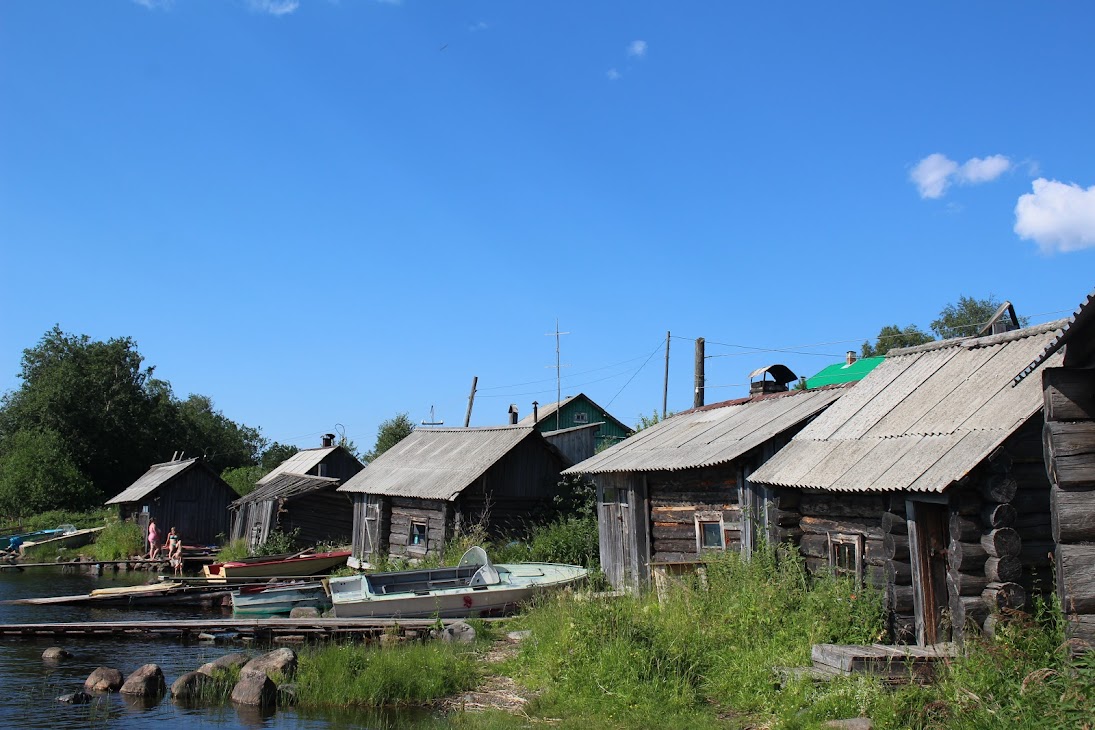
(932, 174)
(612, 74)
(978, 170)
(475, 27)
(636, 48)
(154, 4)
(274, 7)
(935, 172)
(1057, 216)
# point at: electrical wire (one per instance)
(621, 390)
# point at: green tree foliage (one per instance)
(110, 418)
(892, 337)
(966, 316)
(275, 454)
(37, 474)
(652, 420)
(390, 433)
(243, 478)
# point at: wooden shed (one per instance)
(187, 495)
(300, 494)
(926, 479)
(574, 411)
(413, 498)
(1068, 392)
(681, 488)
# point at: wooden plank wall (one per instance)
(323, 515)
(195, 503)
(1069, 457)
(404, 511)
(675, 500)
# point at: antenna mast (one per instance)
(558, 372)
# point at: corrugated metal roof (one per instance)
(1084, 313)
(286, 486)
(710, 435)
(545, 411)
(919, 421)
(844, 372)
(437, 463)
(299, 463)
(151, 480)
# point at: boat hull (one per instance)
(304, 565)
(450, 605)
(280, 600)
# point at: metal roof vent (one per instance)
(781, 375)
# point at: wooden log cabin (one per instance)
(1068, 392)
(423, 491)
(927, 480)
(681, 489)
(300, 495)
(187, 495)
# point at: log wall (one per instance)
(677, 498)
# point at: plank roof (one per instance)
(919, 421)
(299, 463)
(156, 476)
(286, 486)
(438, 463)
(713, 434)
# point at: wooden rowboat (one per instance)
(475, 587)
(306, 563)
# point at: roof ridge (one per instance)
(982, 341)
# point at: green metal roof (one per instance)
(842, 372)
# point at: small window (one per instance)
(710, 531)
(846, 555)
(419, 533)
(581, 417)
(608, 496)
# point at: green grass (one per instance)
(118, 541)
(354, 675)
(55, 518)
(235, 550)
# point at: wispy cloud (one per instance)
(273, 7)
(154, 4)
(612, 74)
(477, 26)
(933, 174)
(1057, 216)
(636, 49)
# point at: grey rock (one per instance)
(147, 681)
(518, 635)
(456, 633)
(281, 662)
(304, 612)
(191, 685)
(854, 723)
(75, 698)
(256, 690)
(104, 679)
(56, 654)
(226, 663)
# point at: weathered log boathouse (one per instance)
(187, 495)
(422, 491)
(300, 496)
(931, 466)
(683, 487)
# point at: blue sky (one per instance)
(328, 212)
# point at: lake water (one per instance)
(29, 687)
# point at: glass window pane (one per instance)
(711, 534)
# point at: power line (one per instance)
(621, 390)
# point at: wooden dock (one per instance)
(258, 629)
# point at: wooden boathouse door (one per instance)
(615, 532)
(928, 538)
(753, 499)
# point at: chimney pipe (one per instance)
(850, 357)
(535, 412)
(328, 440)
(513, 414)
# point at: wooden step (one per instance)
(891, 662)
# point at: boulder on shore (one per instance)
(455, 633)
(282, 662)
(226, 663)
(255, 689)
(192, 686)
(104, 679)
(147, 681)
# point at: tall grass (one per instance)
(118, 541)
(54, 518)
(370, 676)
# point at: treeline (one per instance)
(90, 417)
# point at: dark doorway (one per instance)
(929, 533)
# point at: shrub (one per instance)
(118, 541)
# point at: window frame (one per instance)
(700, 519)
(836, 541)
(423, 546)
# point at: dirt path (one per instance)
(495, 692)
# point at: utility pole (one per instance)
(558, 373)
(697, 401)
(471, 400)
(665, 385)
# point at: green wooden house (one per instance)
(574, 411)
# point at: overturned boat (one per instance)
(475, 587)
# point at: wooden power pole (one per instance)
(697, 401)
(665, 383)
(471, 400)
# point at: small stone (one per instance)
(304, 612)
(191, 685)
(56, 654)
(282, 662)
(255, 689)
(518, 635)
(75, 698)
(147, 681)
(854, 723)
(104, 679)
(455, 633)
(226, 663)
